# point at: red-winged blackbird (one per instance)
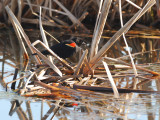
(64, 49)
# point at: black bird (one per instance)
(64, 49)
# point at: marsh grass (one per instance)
(92, 72)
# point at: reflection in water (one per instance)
(71, 105)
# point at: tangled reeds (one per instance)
(84, 67)
(75, 14)
(92, 71)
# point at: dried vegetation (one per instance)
(57, 77)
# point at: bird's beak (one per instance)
(71, 45)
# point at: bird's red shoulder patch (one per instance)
(72, 44)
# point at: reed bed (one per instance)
(56, 78)
(76, 15)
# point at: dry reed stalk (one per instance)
(114, 11)
(14, 45)
(124, 29)
(16, 80)
(42, 103)
(14, 5)
(62, 23)
(75, 4)
(35, 21)
(20, 5)
(28, 106)
(41, 73)
(57, 20)
(27, 81)
(2, 81)
(32, 10)
(116, 93)
(51, 36)
(133, 65)
(14, 66)
(52, 88)
(17, 31)
(143, 82)
(126, 5)
(43, 33)
(55, 112)
(22, 114)
(53, 109)
(29, 3)
(99, 26)
(138, 67)
(48, 113)
(14, 107)
(7, 56)
(84, 81)
(46, 4)
(52, 10)
(70, 15)
(61, 79)
(83, 16)
(16, 25)
(136, 6)
(58, 106)
(89, 68)
(13, 85)
(81, 62)
(134, 54)
(46, 60)
(109, 89)
(31, 88)
(50, 7)
(79, 7)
